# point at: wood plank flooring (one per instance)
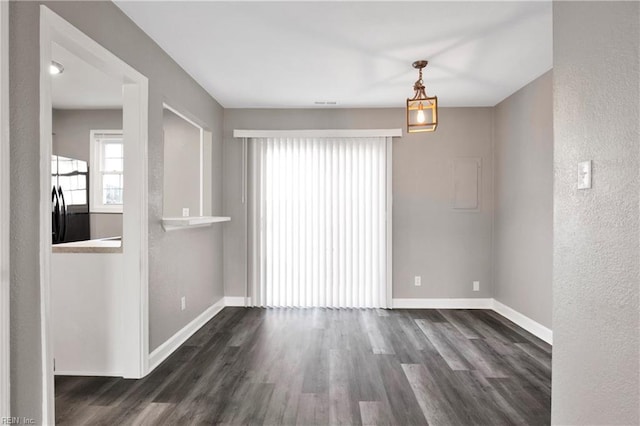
(331, 367)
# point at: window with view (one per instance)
(107, 167)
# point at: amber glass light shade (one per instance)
(422, 115)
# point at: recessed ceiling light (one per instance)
(56, 68)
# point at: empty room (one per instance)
(320, 212)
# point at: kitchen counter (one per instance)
(102, 245)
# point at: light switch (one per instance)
(185, 212)
(584, 174)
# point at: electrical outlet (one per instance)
(185, 212)
(183, 303)
(476, 286)
(417, 281)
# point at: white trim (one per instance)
(48, 404)
(201, 165)
(521, 320)
(5, 384)
(443, 303)
(324, 133)
(177, 223)
(163, 351)
(135, 229)
(237, 301)
(524, 321)
(87, 373)
(134, 315)
(181, 115)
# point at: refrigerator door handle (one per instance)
(63, 213)
(55, 216)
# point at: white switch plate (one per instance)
(584, 174)
(185, 212)
(476, 286)
(417, 281)
(183, 303)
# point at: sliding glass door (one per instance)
(318, 222)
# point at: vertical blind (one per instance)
(318, 222)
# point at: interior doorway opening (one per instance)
(128, 329)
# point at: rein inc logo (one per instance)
(17, 421)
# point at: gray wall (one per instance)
(103, 225)
(596, 257)
(523, 185)
(181, 263)
(449, 249)
(181, 166)
(71, 130)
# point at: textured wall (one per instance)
(523, 203)
(181, 263)
(596, 239)
(71, 130)
(449, 249)
(25, 345)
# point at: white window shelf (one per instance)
(175, 223)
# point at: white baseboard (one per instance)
(237, 301)
(163, 351)
(533, 327)
(443, 303)
(87, 373)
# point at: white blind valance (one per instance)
(318, 133)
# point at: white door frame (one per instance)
(5, 387)
(134, 327)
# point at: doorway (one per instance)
(319, 219)
(131, 330)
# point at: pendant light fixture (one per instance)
(422, 111)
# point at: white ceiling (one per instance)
(82, 86)
(358, 54)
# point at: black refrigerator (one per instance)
(69, 200)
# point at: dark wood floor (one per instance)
(326, 366)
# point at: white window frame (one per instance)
(95, 174)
